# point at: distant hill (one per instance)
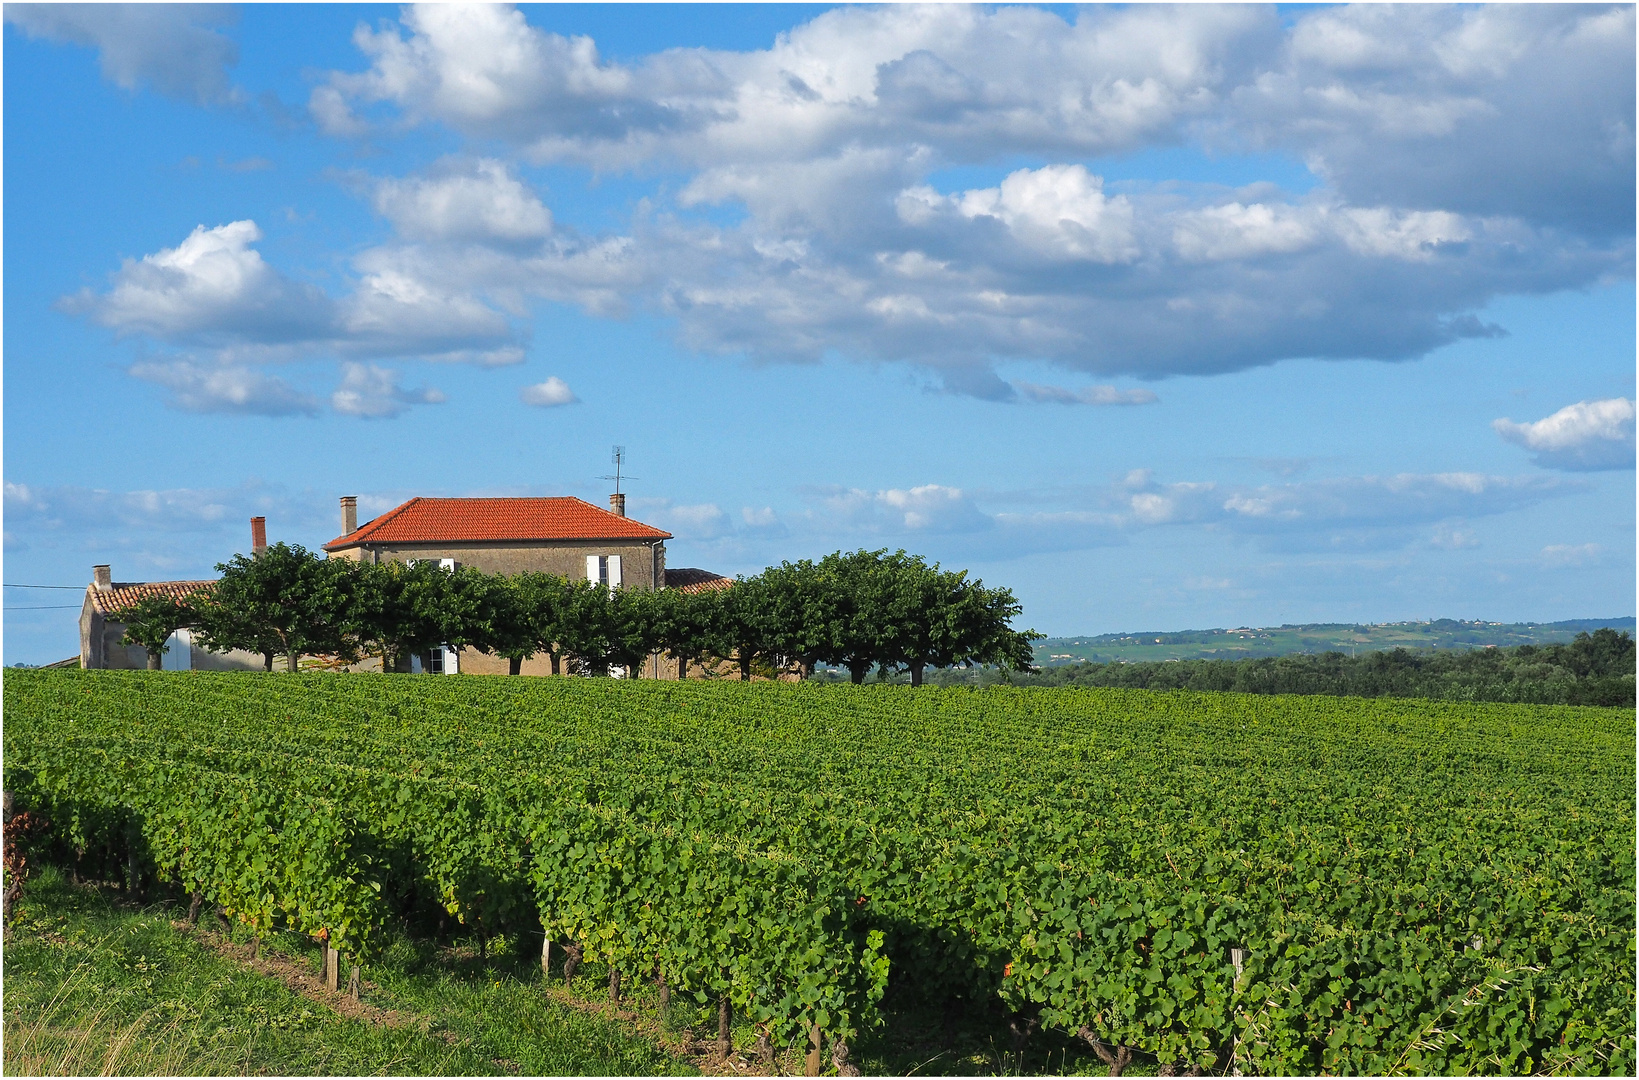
(1349, 638)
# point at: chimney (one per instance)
(349, 514)
(258, 535)
(617, 504)
(103, 577)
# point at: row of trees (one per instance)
(1594, 669)
(859, 610)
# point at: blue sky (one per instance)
(1163, 318)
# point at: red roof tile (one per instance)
(126, 593)
(686, 579)
(445, 521)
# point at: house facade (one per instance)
(565, 536)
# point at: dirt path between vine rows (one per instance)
(299, 979)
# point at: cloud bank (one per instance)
(1460, 154)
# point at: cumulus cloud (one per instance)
(1463, 154)
(211, 289)
(214, 290)
(374, 393)
(1587, 436)
(211, 388)
(554, 391)
(483, 203)
(1513, 110)
(173, 48)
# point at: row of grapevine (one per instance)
(1269, 884)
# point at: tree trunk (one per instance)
(916, 673)
(682, 667)
(725, 1043)
(515, 665)
(555, 668)
(1117, 1058)
(572, 954)
(155, 660)
(267, 661)
(665, 994)
(614, 984)
(744, 658)
(353, 982)
(857, 670)
(290, 661)
(194, 904)
(839, 1058)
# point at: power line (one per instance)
(47, 607)
(75, 588)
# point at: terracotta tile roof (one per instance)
(443, 521)
(689, 580)
(126, 593)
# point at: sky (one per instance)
(1163, 318)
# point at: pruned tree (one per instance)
(804, 603)
(741, 627)
(398, 611)
(285, 600)
(634, 628)
(584, 626)
(938, 618)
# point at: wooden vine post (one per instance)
(812, 1066)
(332, 966)
(546, 956)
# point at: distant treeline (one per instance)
(1594, 669)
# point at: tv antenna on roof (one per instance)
(619, 458)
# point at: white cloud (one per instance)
(1059, 210)
(929, 508)
(1085, 395)
(214, 290)
(373, 393)
(171, 47)
(483, 203)
(211, 388)
(1560, 555)
(211, 289)
(1463, 154)
(554, 391)
(1587, 436)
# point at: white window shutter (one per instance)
(591, 568)
(446, 564)
(614, 571)
(452, 660)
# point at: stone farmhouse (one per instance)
(564, 536)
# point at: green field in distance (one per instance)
(1247, 642)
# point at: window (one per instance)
(604, 569)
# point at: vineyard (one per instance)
(1210, 881)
